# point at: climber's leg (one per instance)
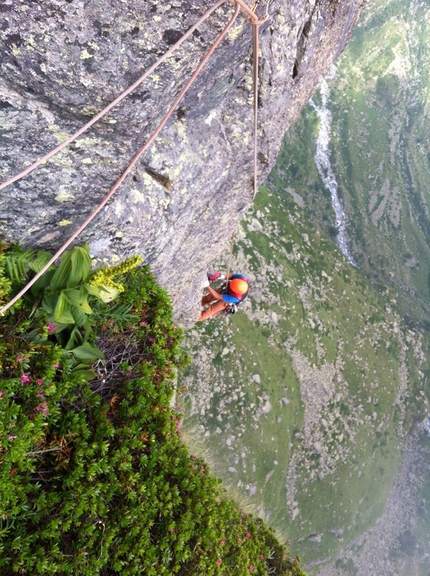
(213, 310)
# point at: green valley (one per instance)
(310, 401)
(378, 99)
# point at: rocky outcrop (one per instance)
(64, 60)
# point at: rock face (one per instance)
(62, 61)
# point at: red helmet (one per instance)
(239, 286)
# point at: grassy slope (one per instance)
(411, 556)
(380, 151)
(297, 400)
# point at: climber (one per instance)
(234, 292)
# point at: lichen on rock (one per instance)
(61, 62)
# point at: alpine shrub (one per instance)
(94, 476)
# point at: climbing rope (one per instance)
(255, 50)
(255, 40)
(230, 259)
(254, 21)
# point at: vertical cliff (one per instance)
(62, 61)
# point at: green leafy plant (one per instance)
(62, 298)
(103, 277)
(5, 283)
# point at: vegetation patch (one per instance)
(95, 478)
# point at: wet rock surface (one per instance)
(63, 61)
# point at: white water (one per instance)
(322, 161)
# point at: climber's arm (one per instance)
(214, 293)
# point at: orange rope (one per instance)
(131, 165)
(255, 49)
(255, 23)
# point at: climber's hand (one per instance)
(214, 276)
(206, 283)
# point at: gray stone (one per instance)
(266, 408)
(318, 446)
(62, 62)
(315, 538)
(269, 475)
(252, 489)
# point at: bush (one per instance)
(95, 478)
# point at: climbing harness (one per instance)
(239, 5)
(231, 309)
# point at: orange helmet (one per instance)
(239, 286)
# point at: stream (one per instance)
(323, 163)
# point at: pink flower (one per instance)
(178, 432)
(12, 472)
(223, 542)
(40, 395)
(25, 379)
(218, 561)
(1, 393)
(251, 568)
(20, 358)
(248, 535)
(51, 328)
(45, 408)
(11, 437)
(151, 339)
(56, 366)
(261, 556)
(39, 381)
(143, 323)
